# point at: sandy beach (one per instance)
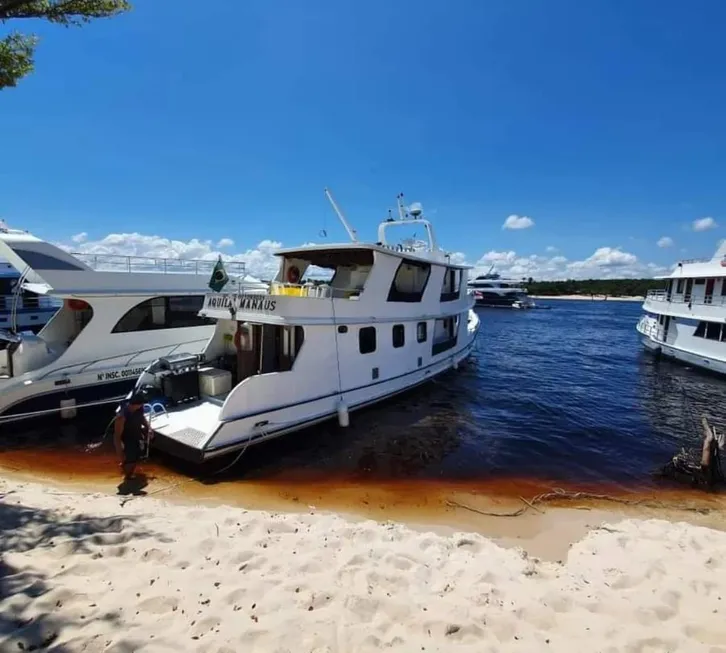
(86, 572)
(596, 298)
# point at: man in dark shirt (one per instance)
(130, 434)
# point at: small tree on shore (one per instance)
(16, 50)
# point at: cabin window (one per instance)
(163, 313)
(679, 287)
(723, 286)
(421, 332)
(700, 331)
(713, 331)
(699, 282)
(409, 282)
(367, 340)
(399, 335)
(445, 334)
(451, 285)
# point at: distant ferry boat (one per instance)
(23, 310)
(491, 290)
(686, 319)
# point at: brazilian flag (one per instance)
(219, 277)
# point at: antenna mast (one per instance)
(351, 232)
(401, 212)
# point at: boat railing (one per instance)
(684, 298)
(316, 291)
(131, 356)
(29, 302)
(122, 263)
(650, 327)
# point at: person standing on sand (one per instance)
(130, 430)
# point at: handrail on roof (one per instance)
(123, 263)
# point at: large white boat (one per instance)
(686, 320)
(116, 315)
(392, 316)
(493, 291)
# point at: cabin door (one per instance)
(710, 283)
(689, 289)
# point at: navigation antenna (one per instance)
(401, 211)
(351, 232)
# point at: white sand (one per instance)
(87, 574)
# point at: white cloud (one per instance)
(704, 224)
(604, 263)
(551, 249)
(665, 241)
(260, 260)
(225, 242)
(518, 222)
(79, 238)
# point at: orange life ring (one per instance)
(293, 274)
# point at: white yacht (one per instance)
(491, 290)
(22, 310)
(116, 315)
(392, 316)
(686, 320)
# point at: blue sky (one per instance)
(601, 120)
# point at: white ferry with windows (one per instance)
(391, 317)
(687, 320)
(493, 291)
(115, 315)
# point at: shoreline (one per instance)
(84, 572)
(588, 298)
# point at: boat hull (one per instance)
(236, 435)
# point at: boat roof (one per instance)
(47, 269)
(348, 250)
(698, 268)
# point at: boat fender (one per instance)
(293, 274)
(343, 414)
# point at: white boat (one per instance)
(116, 314)
(22, 310)
(686, 320)
(392, 316)
(492, 290)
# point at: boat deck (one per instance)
(189, 425)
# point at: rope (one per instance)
(558, 494)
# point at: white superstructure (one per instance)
(492, 290)
(116, 314)
(392, 316)
(687, 319)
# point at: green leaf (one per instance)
(16, 58)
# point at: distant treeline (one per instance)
(609, 287)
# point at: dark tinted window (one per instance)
(713, 331)
(699, 282)
(700, 330)
(367, 340)
(399, 335)
(679, 286)
(409, 282)
(163, 313)
(421, 332)
(39, 261)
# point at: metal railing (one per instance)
(683, 298)
(30, 303)
(121, 263)
(650, 327)
(316, 291)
